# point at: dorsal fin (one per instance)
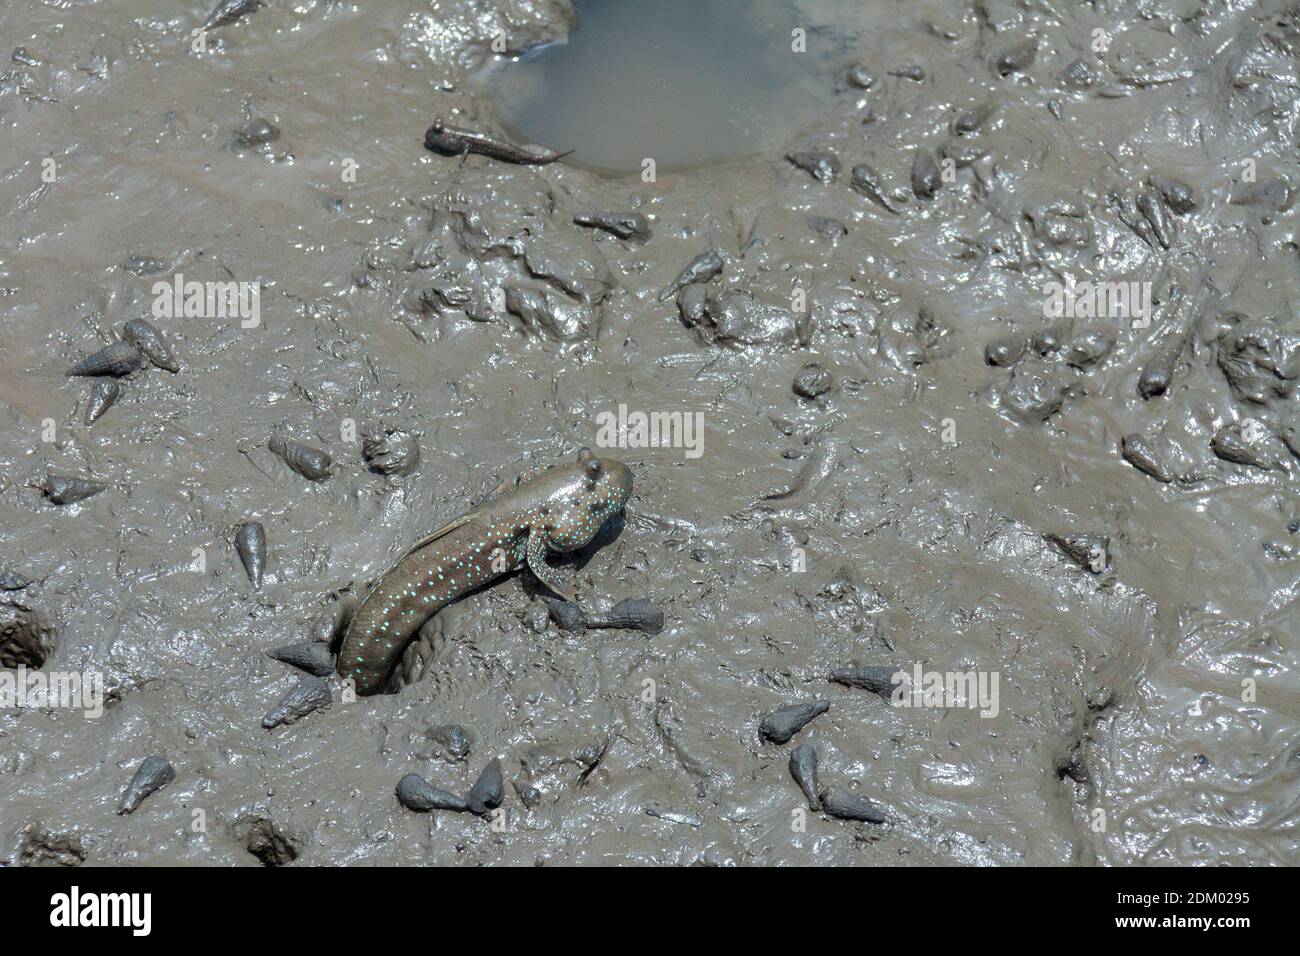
(448, 528)
(424, 542)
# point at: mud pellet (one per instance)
(454, 740)
(150, 343)
(310, 656)
(1281, 550)
(1152, 207)
(878, 680)
(1034, 393)
(65, 491)
(859, 77)
(913, 71)
(1074, 769)
(1230, 444)
(118, 359)
(153, 774)
(812, 380)
(926, 178)
(1079, 75)
(591, 755)
(803, 767)
(971, 121)
(13, 581)
(529, 795)
(103, 396)
(1089, 349)
(821, 164)
(780, 725)
(416, 793)
(630, 226)
(308, 695)
(1178, 195)
(567, 615)
(929, 328)
(1158, 373)
(257, 132)
(849, 806)
(1090, 551)
(1053, 338)
(867, 181)
(1252, 356)
(1016, 58)
(391, 452)
(632, 614)
(322, 628)
(312, 463)
(1128, 214)
(702, 268)
(488, 791)
(1139, 453)
(827, 228)
(1005, 351)
(693, 305)
(250, 545)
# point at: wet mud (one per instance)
(902, 460)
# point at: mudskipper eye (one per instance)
(590, 463)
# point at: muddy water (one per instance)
(677, 81)
(1147, 712)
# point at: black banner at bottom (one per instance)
(336, 905)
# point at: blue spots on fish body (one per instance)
(560, 510)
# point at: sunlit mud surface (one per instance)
(894, 513)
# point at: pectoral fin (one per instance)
(535, 556)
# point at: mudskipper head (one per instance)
(603, 487)
(610, 481)
(435, 137)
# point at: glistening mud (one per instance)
(960, 575)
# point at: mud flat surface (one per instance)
(1148, 706)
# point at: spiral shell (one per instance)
(150, 342)
(103, 396)
(250, 545)
(308, 695)
(312, 463)
(65, 491)
(153, 774)
(120, 358)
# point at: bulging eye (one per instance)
(590, 463)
